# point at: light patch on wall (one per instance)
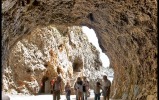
(94, 40)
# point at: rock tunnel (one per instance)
(126, 30)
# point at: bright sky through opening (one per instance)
(93, 39)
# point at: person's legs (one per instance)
(76, 95)
(104, 97)
(58, 95)
(107, 97)
(108, 94)
(80, 96)
(54, 96)
(98, 96)
(95, 97)
(67, 96)
(84, 96)
(88, 93)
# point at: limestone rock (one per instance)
(47, 52)
(126, 29)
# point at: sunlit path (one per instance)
(47, 97)
(38, 97)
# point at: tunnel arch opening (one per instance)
(141, 24)
(77, 61)
(92, 37)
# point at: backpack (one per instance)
(85, 85)
(84, 88)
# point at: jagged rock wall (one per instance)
(48, 52)
(127, 32)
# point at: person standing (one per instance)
(85, 88)
(97, 91)
(57, 88)
(75, 89)
(68, 90)
(79, 89)
(106, 88)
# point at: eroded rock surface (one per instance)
(127, 32)
(49, 52)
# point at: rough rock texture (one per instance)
(48, 52)
(127, 32)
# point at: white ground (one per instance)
(47, 97)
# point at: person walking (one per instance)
(106, 88)
(57, 88)
(68, 90)
(85, 88)
(79, 89)
(75, 89)
(97, 91)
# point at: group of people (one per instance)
(105, 87)
(82, 87)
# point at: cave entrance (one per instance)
(90, 33)
(77, 65)
(42, 84)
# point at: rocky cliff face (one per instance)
(127, 32)
(48, 52)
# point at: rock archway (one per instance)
(127, 32)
